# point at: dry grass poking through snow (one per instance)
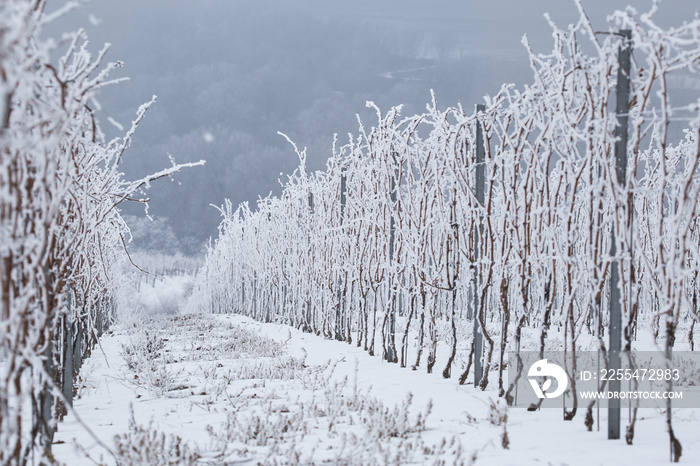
(260, 405)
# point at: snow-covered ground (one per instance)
(226, 389)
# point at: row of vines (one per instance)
(61, 235)
(391, 247)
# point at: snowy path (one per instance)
(231, 389)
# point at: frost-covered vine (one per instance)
(383, 248)
(60, 228)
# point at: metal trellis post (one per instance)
(622, 111)
(479, 189)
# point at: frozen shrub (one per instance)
(147, 446)
(145, 358)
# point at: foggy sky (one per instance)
(230, 74)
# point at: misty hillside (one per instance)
(230, 75)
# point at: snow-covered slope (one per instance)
(225, 389)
